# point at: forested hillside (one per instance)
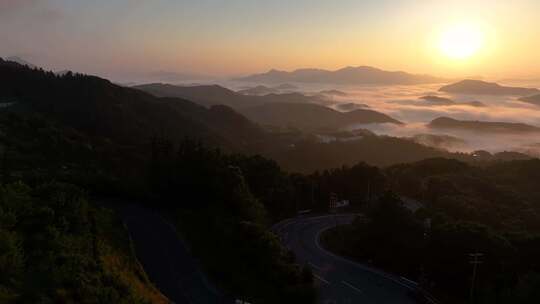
(74, 132)
(58, 135)
(56, 247)
(128, 116)
(493, 210)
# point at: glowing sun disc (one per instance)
(461, 41)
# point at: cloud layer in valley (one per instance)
(405, 104)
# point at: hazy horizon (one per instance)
(227, 39)
(213, 42)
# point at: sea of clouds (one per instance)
(404, 104)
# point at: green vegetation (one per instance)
(46, 137)
(87, 133)
(57, 248)
(100, 109)
(308, 156)
(492, 210)
(225, 223)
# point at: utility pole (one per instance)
(423, 275)
(5, 169)
(333, 206)
(475, 262)
(368, 194)
(312, 194)
(296, 213)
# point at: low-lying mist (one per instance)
(405, 103)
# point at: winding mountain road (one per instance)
(168, 263)
(340, 281)
(166, 258)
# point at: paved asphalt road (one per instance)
(340, 280)
(166, 259)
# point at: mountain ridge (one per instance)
(482, 126)
(100, 108)
(347, 75)
(479, 87)
(285, 109)
(209, 95)
(312, 117)
(534, 99)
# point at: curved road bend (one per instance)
(166, 259)
(340, 281)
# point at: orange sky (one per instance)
(240, 36)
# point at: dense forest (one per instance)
(491, 210)
(57, 247)
(55, 135)
(66, 141)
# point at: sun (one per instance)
(461, 41)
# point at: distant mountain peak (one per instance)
(359, 68)
(480, 87)
(275, 71)
(347, 76)
(482, 126)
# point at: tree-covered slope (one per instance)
(98, 107)
(55, 247)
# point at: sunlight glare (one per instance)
(461, 41)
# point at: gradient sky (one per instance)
(116, 38)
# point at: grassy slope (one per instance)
(55, 247)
